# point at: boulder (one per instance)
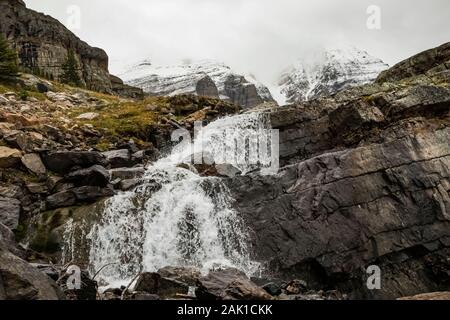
(296, 287)
(6, 128)
(61, 199)
(35, 83)
(37, 188)
(33, 162)
(153, 283)
(272, 288)
(9, 212)
(126, 173)
(9, 157)
(93, 176)
(21, 281)
(128, 184)
(229, 284)
(63, 161)
(25, 141)
(86, 194)
(227, 170)
(88, 116)
(168, 282)
(186, 275)
(118, 158)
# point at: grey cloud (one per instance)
(258, 36)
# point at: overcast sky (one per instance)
(258, 36)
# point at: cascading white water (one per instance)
(176, 217)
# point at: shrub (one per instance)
(8, 60)
(70, 70)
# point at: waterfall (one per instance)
(176, 217)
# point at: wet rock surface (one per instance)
(364, 181)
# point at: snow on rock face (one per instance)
(329, 72)
(198, 78)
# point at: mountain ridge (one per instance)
(183, 78)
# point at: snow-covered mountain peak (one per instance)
(327, 72)
(202, 77)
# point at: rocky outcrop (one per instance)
(365, 180)
(21, 281)
(430, 61)
(43, 43)
(207, 88)
(124, 90)
(242, 92)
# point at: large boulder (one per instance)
(81, 195)
(9, 157)
(21, 281)
(168, 282)
(126, 173)
(9, 212)
(229, 284)
(63, 161)
(118, 158)
(33, 162)
(93, 176)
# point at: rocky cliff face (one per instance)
(42, 43)
(366, 181)
(201, 78)
(327, 73)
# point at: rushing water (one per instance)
(176, 217)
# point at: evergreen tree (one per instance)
(8, 60)
(70, 70)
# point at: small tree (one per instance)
(70, 70)
(8, 60)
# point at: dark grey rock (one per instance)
(229, 284)
(118, 158)
(21, 281)
(86, 194)
(126, 173)
(93, 176)
(128, 184)
(33, 163)
(154, 283)
(10, 212)
(207, 88)
(63, 161)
